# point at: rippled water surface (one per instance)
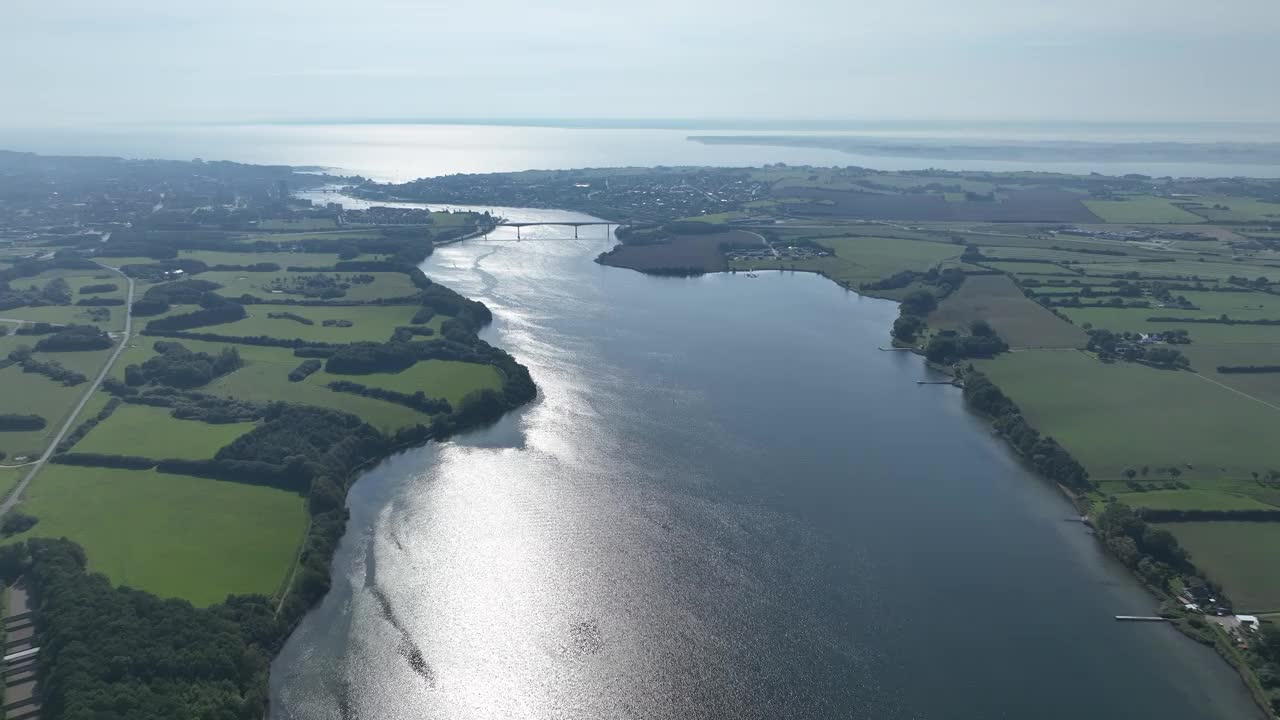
(726, 503)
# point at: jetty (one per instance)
(1141, 618)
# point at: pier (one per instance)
(1141, 618)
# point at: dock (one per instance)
(934, 382)
(1142, 618)
(894, 349)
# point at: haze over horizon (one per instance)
(140, 61)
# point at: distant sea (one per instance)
(402, 151)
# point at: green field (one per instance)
(1122, 415)
(66, 315)
(1135, 320)
(29, 393)
(265, 378)
(369, 322)
(173, 535)
(1022, 322)
(152, 432)
(1205, 358)
(9, 476)
(1193, 499)
(446, 379)
(283, 259)
(1239, 555)
(1141, 209)
(235, 284)
(862, 259)
(1238, 209)
(1187, 268)
(301, 224)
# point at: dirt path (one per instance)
(16, 494)
(1238, 392)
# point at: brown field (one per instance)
(1022, 322)
(683, 254)
(1020, 206)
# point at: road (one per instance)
(16, 495)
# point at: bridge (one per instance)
(574, 225)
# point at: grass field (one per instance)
(1239, 555)
(66, 315)
(283, 259)
(301, 237)
(1135, 320)
(1206, 358)
(9, 476)
(1022, 322)
(1193, 499)
(1141, 209)
(29, 393)
(1121, 415)
(1238, 209)
(862, 259)
(265, 377)
(1039, 253)
(446, 379)
(371, 322)
(173, 535)
(1186, 269)
(301, 224)
(152, 432)
(235, 284)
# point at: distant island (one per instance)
(1043, 151)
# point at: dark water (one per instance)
(726, 504)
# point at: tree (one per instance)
(919, 302)
(1130, 473)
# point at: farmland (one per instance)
(150, 432)
(1240, 555)
(173, 535)
(1121, 415)
(1020, 321)
(861, 259)
(1141, 209)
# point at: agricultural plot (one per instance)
(1141, 209)
(280, 285)
(29, 393)
(862, 259)
(67, 315)
(1039, 253)
(9, 477)
(374, 323)
(301, 224)
(1122, 415)
(1189, 269)
(446, 379)
(1206, 358)
(283, 259)
(302, 237)
(1022, 322)
(1192, 499)
(1235, 209)
(173, 535)
(1135, 320)
(152, 432)
(1239, 555)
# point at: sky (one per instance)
(78, 63)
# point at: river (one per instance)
(726, 503)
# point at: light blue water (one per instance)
(726, 503)
(389, 152)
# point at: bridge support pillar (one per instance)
(517, 232)
(575, 232)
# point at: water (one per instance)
(726, 503)
(403, 152)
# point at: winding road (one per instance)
(16, 495)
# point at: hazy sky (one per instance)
(82, 62)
